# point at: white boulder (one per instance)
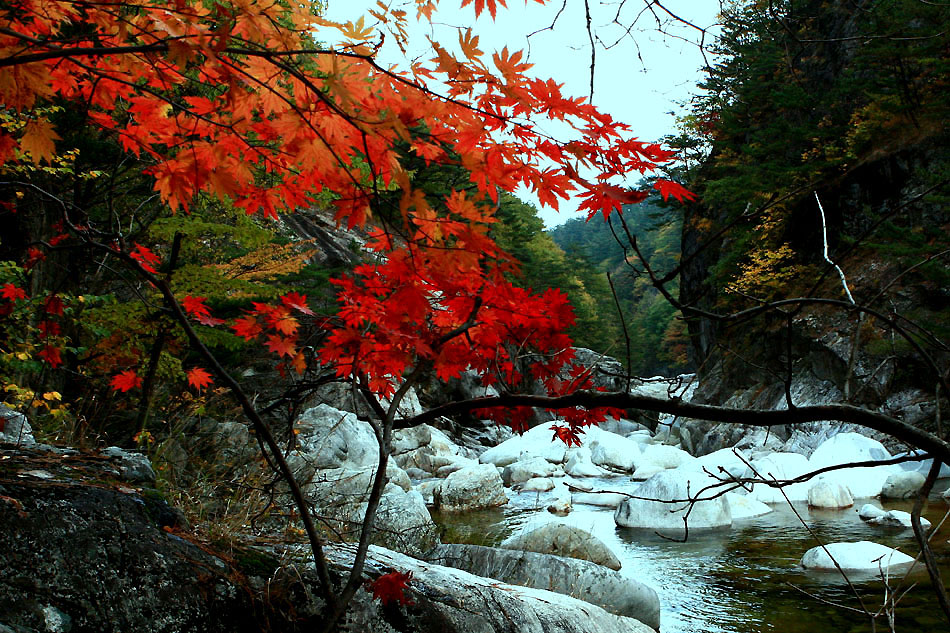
(891, 518)
(779, 467)
(861, 556)
(472, 488)
(523, 470)
(845, 448)
(669, 491)
(579, 463)
(902, 485)
(562, 540)
(744, 507)
(657, 457)
(829, 494)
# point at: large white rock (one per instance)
(579, 463)
(536, 442)
(562, 540)
(829, 494)
(779, 466)
(902, 485)
(472, 488)
(614, 451)
(600, 588)
(744, 507)
(666, 486)
(523, 470)
(844, 448)
(331, 438)
(538, 484)
(861, 556)
(658, 457)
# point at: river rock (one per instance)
(402, 519)
(538, 484)
(829, 494)
(891, 518)
(744, 507)
(562, 540)
(133, 467)
(14, 428)
(671, 485)
(583, 580)
(861, 556)
(779, 466)
(331, 438)
(614, 451)
(659, 457)
(529, 468)
(472, 488)
(902, 485)
(849, 447)
(579, 463)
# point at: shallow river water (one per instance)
(746, 579)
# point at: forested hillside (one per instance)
(657, 344)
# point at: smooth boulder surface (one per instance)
(521, 471)
(472, 488)
(579, 463)
(844, 448)
(829, 494)
(779, 467)
(562, 540)
(902, 485)
(861, 556)
(331, 438)
(890, 518)
(600, 588)
(613, 451)
(670, 485)
(659, 457)
(745, 507)
(536, 442)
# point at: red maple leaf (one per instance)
(669, 188)
(11, 292)
(296, 301)
(51, 355)
(48, 328)
(566, 434)
(195, 306)
(33, 256)
(54, 305)
(146, 258)
(282, 345)
(198, 378)
(390, 587)
(128, 379)
(247, 327)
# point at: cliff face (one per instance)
(844, 104)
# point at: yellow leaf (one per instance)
(38, 141)
(52, 395)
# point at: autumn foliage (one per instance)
(238, 102)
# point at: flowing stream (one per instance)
(746, 579)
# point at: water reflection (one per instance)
(745, 579)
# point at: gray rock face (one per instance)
(80, 557)
(334, 439)
(133, 467)
(402, 521)
(563, 540)
(472, 488)
(14, 428)
(579, 579)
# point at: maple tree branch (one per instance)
(899, 429)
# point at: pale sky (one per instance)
(639, 81)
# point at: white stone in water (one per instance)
(672, 485)
(779, 466)
(902, 485)
(538, 484)
(744, 507)
(844, 448)
(860, 556)
(829, 494)
(892, 518)
(580, 465)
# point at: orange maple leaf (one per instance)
(198, 378)
(126, 380)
